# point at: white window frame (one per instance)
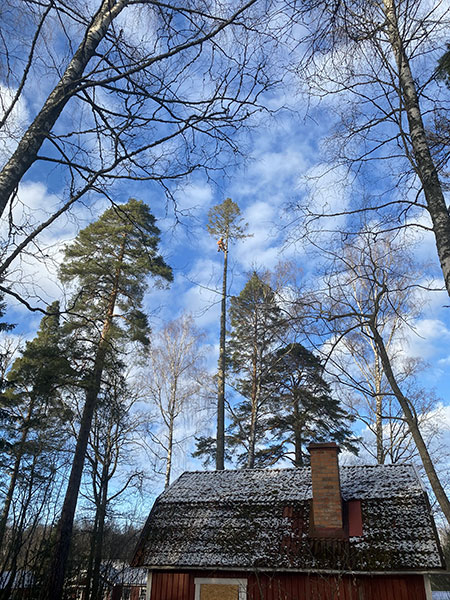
(241, 583)
(148, 590)
(427, 583)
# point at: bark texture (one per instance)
(30, 144)
(424, 164)
(220, 450)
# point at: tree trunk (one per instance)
(297, 434)
(169, 450)
(17, 538)
(220, 437)
(30, 144)
(411, 420)
(254, 400)
(15, 474)
(90, 565)
(424, 164)
(101, 516)
(54, 587)
(379, 411)
(64, 532)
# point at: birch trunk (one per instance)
(411, 420)
(169, 448)
(27, 150)
(424, 164)
(379, 410)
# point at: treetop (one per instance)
(225, 220)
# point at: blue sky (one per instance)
(282, 159)
(270, 178)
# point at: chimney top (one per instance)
(323, 446)
(326, 490)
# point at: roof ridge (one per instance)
(292, 469)
(265, 469)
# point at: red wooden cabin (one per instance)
(319, 533)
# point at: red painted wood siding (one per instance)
(172, 586)
(291, 586)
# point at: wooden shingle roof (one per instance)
(259, 519)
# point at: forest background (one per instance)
(311, 142)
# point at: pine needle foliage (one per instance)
(114, 256)
(108, 264)
(257, 329)
(302, 409)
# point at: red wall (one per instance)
(283, 586)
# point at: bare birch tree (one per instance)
(368, 292)
(176, 382)
(128, 90)
(379, 58)
(357, 262)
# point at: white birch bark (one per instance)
(424, 164)
(28, 147)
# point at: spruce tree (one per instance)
(226, 224)
(302, 408)
(257, 329)
(108, 263)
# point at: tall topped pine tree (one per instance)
(108, 263)
(225, 223)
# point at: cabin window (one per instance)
(220, 588)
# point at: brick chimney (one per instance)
(326, 490)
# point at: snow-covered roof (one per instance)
(238, 519)
(126, 575)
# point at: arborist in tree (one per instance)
(221, 245)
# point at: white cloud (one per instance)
(15, 124)
(193, 197)
(427, 338)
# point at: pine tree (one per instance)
(302, 408)
(257, 329)
(226, 224)
(108, 263)
(34, 425)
